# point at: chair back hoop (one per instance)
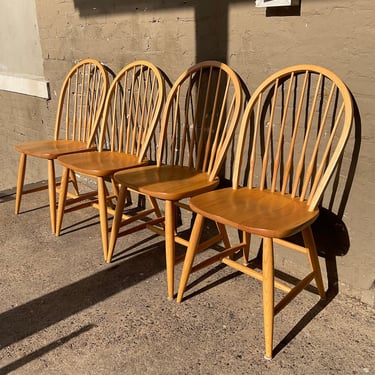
(81, 102)
(132, 108)
(293, 132)
(200, 117)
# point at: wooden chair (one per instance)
(198, 123)
(79, 108)
(292, 136)
(131, 113)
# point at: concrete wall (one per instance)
(338, 34)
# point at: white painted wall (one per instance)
(21, 63)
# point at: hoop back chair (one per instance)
(198, 123)
(291, 138)
(80, 105)
(131, 113)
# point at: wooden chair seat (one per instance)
(100, 163)
(167, 182)
(51, 149)
(264, 213)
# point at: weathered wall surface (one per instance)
(338, 34)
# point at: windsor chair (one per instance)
(198, 124)
(79, 108)
(291, 138)
(131, 113)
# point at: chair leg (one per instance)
(268, 295)
(103, 215)
(20, 181)
(190, 255)
(155, 206)
(308, 239)
(62, 199)
(246, 249)
(116, 221)
(115, 187)
(73, 180)
(170, 220)
(224, 235)
(108, 199)
(52, 193)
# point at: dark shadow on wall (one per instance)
(331, 233)
(211, 19)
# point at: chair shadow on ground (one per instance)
(10, 194)
(7, 195)
(40, 313)
(42, 351)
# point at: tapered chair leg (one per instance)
(52, 193)
(190, 255)
(170, 219)
(20, 181)
(246, 249)
(73, 179)
(103, 215)
(62, 199)
(155, 206)
(224, 235)
(268, 295)
(116, 222)
(309, 241)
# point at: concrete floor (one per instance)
(64, 311)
